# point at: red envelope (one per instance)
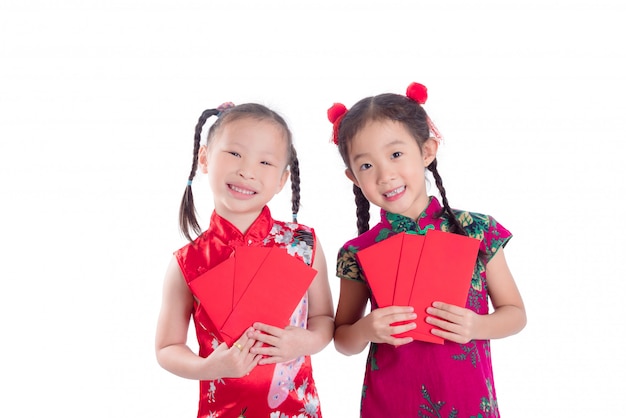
(390, 266)
(379, 263)
(257, 284)
(437, 266)
(211, 289)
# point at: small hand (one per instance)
(455, 323)
(281, 344)
(382, 324)
(237, 360)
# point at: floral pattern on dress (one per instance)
(397, 381)
(298, 241)
(222, 397)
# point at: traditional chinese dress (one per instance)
(423, 379)
(273, 391)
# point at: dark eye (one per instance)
(396, 154)
(365, 166)
(266, 163)
(235, 154)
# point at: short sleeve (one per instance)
(485, 228)
(496, 236)
(347, 266)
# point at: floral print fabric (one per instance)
(284, 390)
(423, 379)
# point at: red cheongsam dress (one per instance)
(272, 391)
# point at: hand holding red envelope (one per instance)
(256, 284)
(417, 270)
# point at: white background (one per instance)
(98, 102)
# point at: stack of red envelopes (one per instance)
(417, 270)
(256, 284)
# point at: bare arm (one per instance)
(354, 331)
(171, 348)
(321, 310)
(508, 317)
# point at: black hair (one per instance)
(412, 115)
(187, 215)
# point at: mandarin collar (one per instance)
(427, 219)
(224, 231)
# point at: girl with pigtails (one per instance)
(387, 143)
(266, 371)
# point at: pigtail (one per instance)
(294, 168)
(362, 210)
(455, 225)
(187, 215)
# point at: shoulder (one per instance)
(298, 239)
(347, 264)
(282, 231)
(367, 238)
(193, 258)
(486, 228)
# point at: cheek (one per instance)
(366, 179)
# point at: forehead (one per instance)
(377, 136)
(255, 134)
(250, 127)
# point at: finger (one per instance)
(265, 338)
(402, 317)
(446, 325)
(440, 313)
(237, 345)
(450, 336)
(243, 341)
(249, 344)
(271, 360)
(449, 308)
(392, 310)
(397, 329)
(400, 341)
(253, 363)
(264, 350)
(267, 329)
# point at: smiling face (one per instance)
(246, 162)
(388, 165)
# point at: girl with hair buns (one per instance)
(387, 143)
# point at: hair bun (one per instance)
(417, 92)
(336, 111)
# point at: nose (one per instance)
(386, 174)
(245, 171)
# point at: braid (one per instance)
(187, 219)
(294, 167)
(362, 210)
(455, 226)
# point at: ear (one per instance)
(429, 150)
(203, 159)
(351, 176)
(283, 180)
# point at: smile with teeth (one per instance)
(394, 192)
(240, 190)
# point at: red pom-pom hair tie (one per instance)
(419, 93)
(335, 113)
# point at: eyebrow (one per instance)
(389, 144)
